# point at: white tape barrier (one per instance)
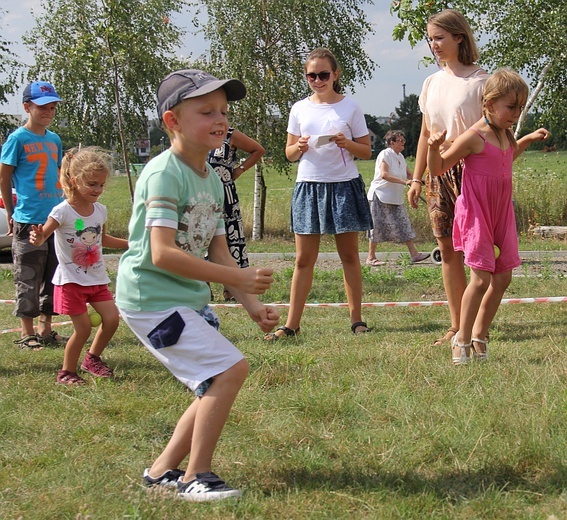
(440, 303)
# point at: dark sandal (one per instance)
(52, 339)
(287, 333)
(227, 296)
(26, 341)
(354, 326)
(446, 338)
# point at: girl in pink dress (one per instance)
(485, 226)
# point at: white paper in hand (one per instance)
(322, 140)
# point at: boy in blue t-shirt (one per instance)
(162, 290)
(30, 163)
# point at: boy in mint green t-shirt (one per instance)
(162, 290)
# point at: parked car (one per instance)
(4, 240)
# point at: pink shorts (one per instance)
(72, 298)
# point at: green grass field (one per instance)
(328, 425)
(540, 194)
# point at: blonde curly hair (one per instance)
(79, 164)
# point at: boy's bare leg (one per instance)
(211, 417)
(179, 445)
(27, 327)
(199, 428)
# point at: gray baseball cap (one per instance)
(189, 83)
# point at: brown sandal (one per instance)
(446, 338)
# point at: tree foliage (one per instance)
(264, 43)
(10, 68)
(528, 37)
(409, 120)
(106, 59)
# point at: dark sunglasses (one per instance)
(323, 76)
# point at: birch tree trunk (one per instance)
(531, 99)
(259, 203)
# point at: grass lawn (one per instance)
(328, 424)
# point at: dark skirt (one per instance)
(330, 208)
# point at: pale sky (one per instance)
(397, 63)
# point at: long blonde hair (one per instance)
(502, 82)
(79, 164)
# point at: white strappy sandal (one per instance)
(480, 349)
(463, 358)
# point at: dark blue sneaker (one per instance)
(167, 480)
(205, 487)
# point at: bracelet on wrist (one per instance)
(418, 180)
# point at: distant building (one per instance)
(372, 139)
(143, 148)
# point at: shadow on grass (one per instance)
(456, 486)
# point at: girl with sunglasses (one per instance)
(326, 132)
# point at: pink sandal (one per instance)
(64, 377)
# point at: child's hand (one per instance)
(266, 316)
(256, 280)
(541, 134)
(436, 140)
(37, 236)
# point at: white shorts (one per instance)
(184, 341)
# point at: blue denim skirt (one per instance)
(330, 208)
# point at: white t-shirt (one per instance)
(327, 163)
(78, 243)
(452, 103)
(389, 192)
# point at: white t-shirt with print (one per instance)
(169, 194)
(78, 243)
